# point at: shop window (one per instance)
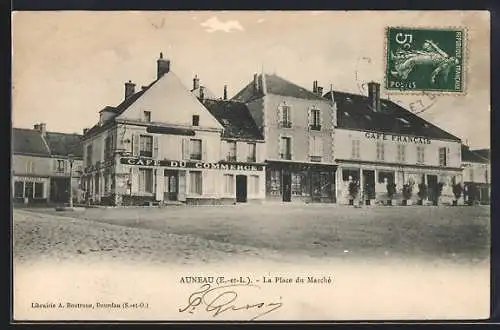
(420, 154)
(355, 146)
(443, 161)
(19, 189)
(145, 180)
(28, 189)
(106, 183)
(39, 189)
(229, 184)
(380, 151)
(195, 183)
(231, 151)
(61, 166)
(385, 175)
(252, 154)
(146, 145)
(274, 187)
(401, 157)
(195, 149)
(297, 184)
(325, 184)
(286, 148)
(346, 173)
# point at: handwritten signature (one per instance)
(224, 298)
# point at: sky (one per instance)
(69, 65)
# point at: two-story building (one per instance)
(41, 165)
(378, 142)
(162, 144)
(298, 128)
(476, 175)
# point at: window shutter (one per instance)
(204, 149)
(278, 113)
(447, 156)
(135, 144)
(185, 148)
(311, 146)
(242, 151)
(135, 180)
(309, 117)
(155, 147)
(160, 184)
(182, 186)
(205, 185)
(319, 146)
(281, 145)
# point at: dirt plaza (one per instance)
(291, 232)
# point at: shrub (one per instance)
(391, 190)
(422, 191)
(407, 191)
(353, 189)
(457, 190)
(439, 189)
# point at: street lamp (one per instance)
(71, 160)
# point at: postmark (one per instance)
(424, 59)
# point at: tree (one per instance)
(407, 191)
(353, 189)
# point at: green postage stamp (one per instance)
(420, 59)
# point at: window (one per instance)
(19, 189)
(401, 153)
(147, 116)
(286, 148)
(252, 154)
(89, 155)
(231, 151)
(315, 148)
(146, 145)
(255, 184)
(61, 166)
(315, 123)
(145, 180)
(420, 154)
(442, 157)
(195, 183)
(350, 173)
(38, 189)
(28, 189)
(108, 147)
(355, 149)
(229, 184)
(196, 120)
(195, 149)
(380, 151)
(382, 176)
(29, 166)
(471, 174)
(285, 119)
(273, 183)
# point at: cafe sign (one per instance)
(190, 164)
(397, 138)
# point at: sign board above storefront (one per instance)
(397, 138)
(190, 164)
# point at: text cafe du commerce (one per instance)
(193, 182)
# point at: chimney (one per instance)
(196, 82)
(255, 82)
(41, 127)
(225, 92)
(163, 66)
(374, 95)
(319, 90)
(202, 93)
(263, 84)
(129, 89)
(315, 86)
(85, 130)
(144, 87)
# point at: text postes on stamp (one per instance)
(419, 59)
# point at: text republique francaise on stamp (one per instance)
(419, 59)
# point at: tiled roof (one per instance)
(207, 93)
(64, 144)
(236, 119)
(354, 112)
(485, 153)
(29, 141)
(277, 86)
(472, 156)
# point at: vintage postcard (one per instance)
(251, 165)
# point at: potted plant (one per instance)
(457, 191)
(407, 192)
(391, 190)
(439, 190)
(422, 193)
(353, 191)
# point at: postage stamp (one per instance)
(420, 59)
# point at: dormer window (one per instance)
(196, 120)
(404, 121)
(146, 116)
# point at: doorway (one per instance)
(171, 185)
(287, 186)
(432, 182)
(241, 188)
(369, 184)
